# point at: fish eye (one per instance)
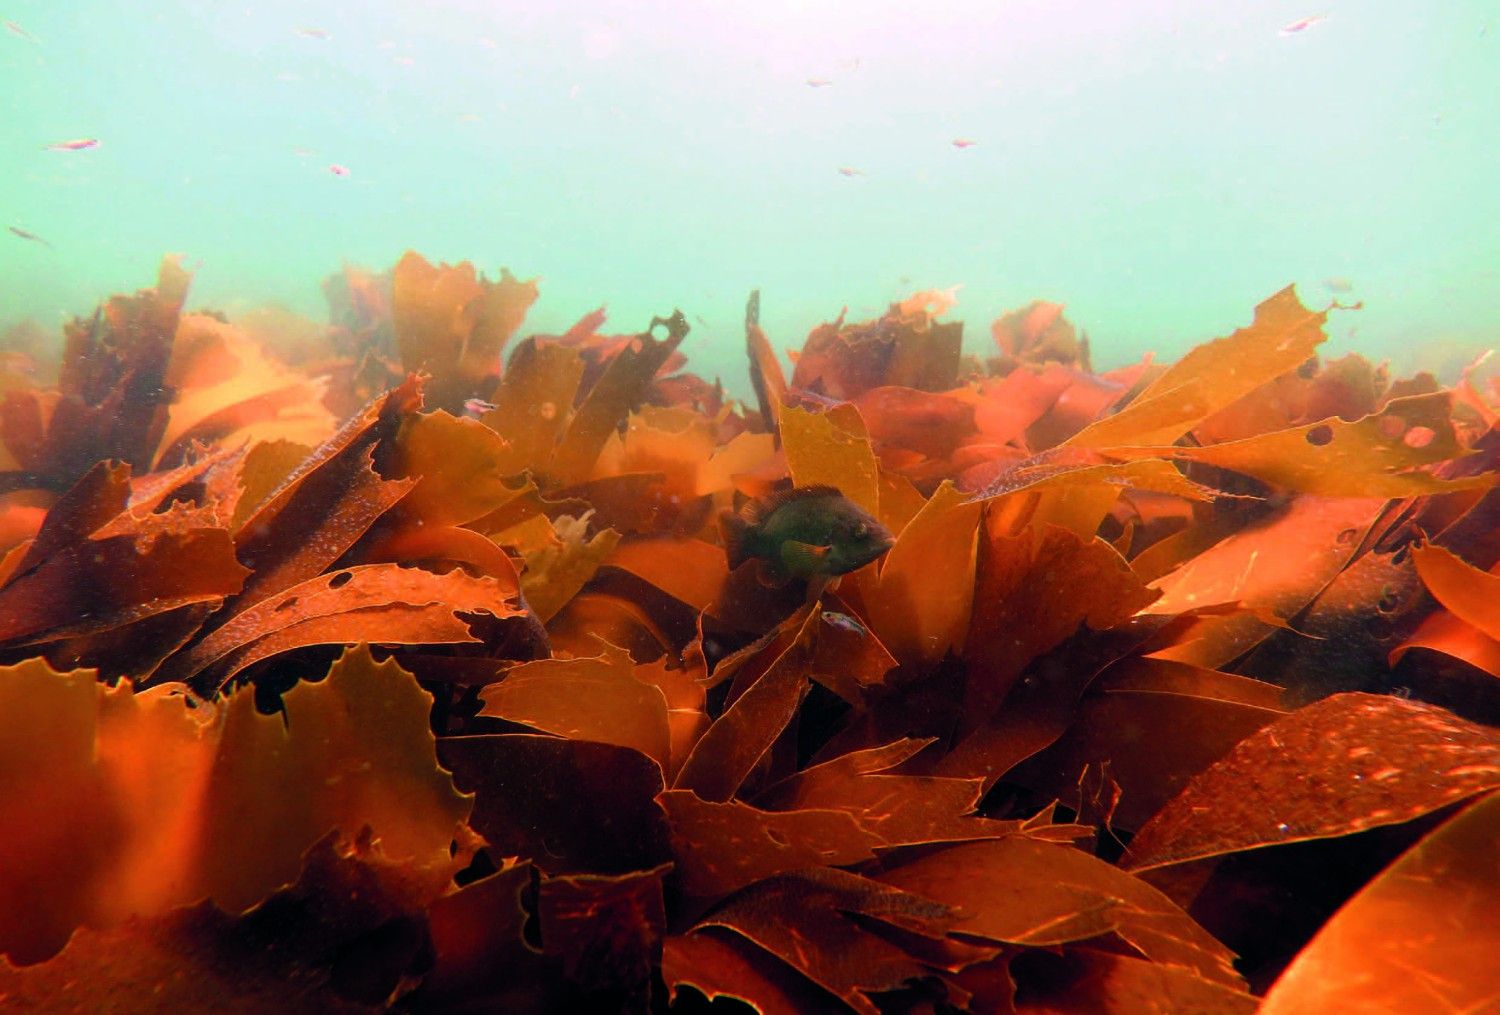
(861, 530)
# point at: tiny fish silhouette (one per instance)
(76, 145)
(313, 33)
(819, 82)
(338, 170)
(27, 235)
(805, 533)
(850, 171)
(1302, 24)
(963, 142)
(19, 32)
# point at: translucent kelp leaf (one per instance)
(744, 454)
(1349, 387)
(916, 432)
(229, 389)
(571, 806)
(1278, 564)
(351, 750)
(1268, 570)
(1006, 407)
(326, 504)
(674, 446)
(112, 384)
(674, 442)
(766, 375)
(416, 607)
(718, 848)
(617, 619)
(606, 930)
(1029, 596)
(620, 390)
(717, 963)
(534, 403)
(100, 494)
(454, 325)
(457, 464)
(1155, 724)
(849, 660)
(1025, 891)
(1443, 632)
(1470, 594)
(479, 944)
(1417, 938)
(1043, 704)
(1105, 983)
(904, 347)
(341, 939)
(262, 469)
(832, 448)
(899, 810)
(1213, 376)
(899, 501)
(804, 918)
(1338, 766)
(1038, 333)
(1342, 639)
(1381, 455)
(96, 584)
(593, 698)
(919, 604)
(727, 752)
(681, 684)
(227, 808)
(689, 570)
(1081, 485)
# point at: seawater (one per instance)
(1159, 167)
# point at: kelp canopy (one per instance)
(343, 668)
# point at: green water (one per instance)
(1159, 167)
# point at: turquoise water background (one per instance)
(1158, 167)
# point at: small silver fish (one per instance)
(844, 622)
(19, 32)
(76, 145)
(850, 171)
(476, 407)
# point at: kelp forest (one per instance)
(413, 661)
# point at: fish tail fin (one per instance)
(735, 532)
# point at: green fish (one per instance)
(807, 533)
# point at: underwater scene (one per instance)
(781, 507)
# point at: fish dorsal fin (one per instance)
(758, 511)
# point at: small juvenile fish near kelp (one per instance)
(813, 532)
